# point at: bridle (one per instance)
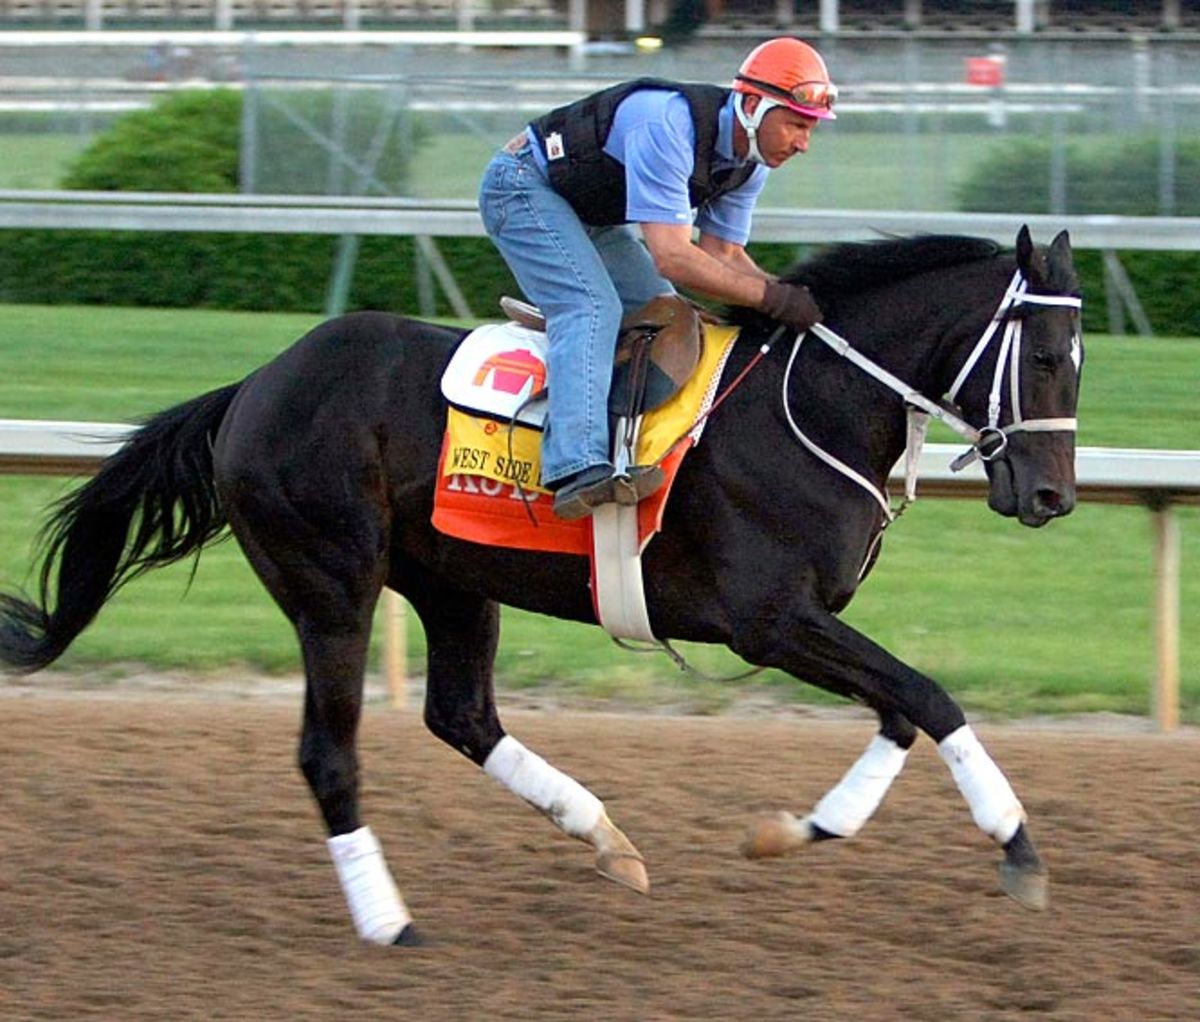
(1010, 354)
(987, 442)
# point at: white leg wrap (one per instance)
(994, 805)
(567, 802)
(849, 804)
(375, 904)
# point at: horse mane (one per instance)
(840, 271)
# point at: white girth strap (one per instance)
(618, 592)
(618, 589)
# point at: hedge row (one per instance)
(231, 271)
(1098, 176)
(292, 272)
(1101, 178)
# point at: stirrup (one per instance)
(586, 492)
(637, 483)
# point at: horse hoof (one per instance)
(776, 834)
(409, 937)
(1022, 875)
(627, 870)
(1028, 887)
(616, 857)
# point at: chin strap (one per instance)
(752, 122)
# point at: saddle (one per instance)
(658, 350)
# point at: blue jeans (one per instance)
(583, 279)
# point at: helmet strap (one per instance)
(752, 122)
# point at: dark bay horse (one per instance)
(322, 463)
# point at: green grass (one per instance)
(840, 171)
(37, 161)
(1011, 620)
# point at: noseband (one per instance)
(988, 442)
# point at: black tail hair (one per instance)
(152, 503)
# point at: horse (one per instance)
(322, 464)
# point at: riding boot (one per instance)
(637, 483)
(580, 495)
(593, 487)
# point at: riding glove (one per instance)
(792, 304)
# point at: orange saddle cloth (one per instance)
(487, 487)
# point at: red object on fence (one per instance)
(985, 71)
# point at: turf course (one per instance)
(1013, 621)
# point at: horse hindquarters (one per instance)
(301, 479)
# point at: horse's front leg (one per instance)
(848, 805)
(828, 653)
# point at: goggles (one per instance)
(814, 95)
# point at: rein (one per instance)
(988, 442)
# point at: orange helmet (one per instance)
(791, 73)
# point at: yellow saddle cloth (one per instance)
(488, 490)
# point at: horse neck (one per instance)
(920, 330)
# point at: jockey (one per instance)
(559, 201)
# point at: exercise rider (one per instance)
(559, 202)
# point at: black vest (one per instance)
(594, 183)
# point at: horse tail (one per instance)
(152, 503)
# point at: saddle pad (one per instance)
(487, 489)
(486, 510)
(494, 371)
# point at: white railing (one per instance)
(232, 37)
(321, 214)
(1157, 479)
(425, 219)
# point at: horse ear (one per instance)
(1061, 263)
(1024, 249)
(1060, 249)
(1030, 260)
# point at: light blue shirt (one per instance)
(654, 138)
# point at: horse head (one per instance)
(1031, 386)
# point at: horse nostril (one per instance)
(1049, 501)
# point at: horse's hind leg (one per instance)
(461, 632)
(849, 804)
(334, 665)
(328, 589)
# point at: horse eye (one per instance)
(1044, 360)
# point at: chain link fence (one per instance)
(936, 124)
(940, 125)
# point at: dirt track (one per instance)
(162, 859)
